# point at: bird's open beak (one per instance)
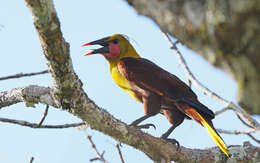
(102, 42)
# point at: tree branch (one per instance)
(68, 93)
(36, 125)
(121, 130)
(44, 115)
(31, 95)
(213, 95)
(120, 153)
(244, 122)
(237, 132)
(31, 160)
(222, 110)
(99, 157)
(20, 75)
(252, 137)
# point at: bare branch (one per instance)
(252, 137)
(31, 95)
(99, 157)
(245, 123)
(240, 111)
(36, 125)
(222, 110)
(237, 132)
(31, 160)
(248, 125)
(191, 77)
(20, 75)
(44, 115)
(213, 95)
(120, 153)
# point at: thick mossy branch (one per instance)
(56, 51)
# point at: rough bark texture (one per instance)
(226, 33)
(30, 95)
(155, 148)
(67, 93)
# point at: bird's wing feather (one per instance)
(147, 75)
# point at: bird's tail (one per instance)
(209, 126)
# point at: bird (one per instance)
(160, 91)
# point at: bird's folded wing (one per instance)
(147, 75)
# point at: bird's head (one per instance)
(113, 47)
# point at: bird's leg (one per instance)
(152, 105)
(166, 135)
(139, 120)
(175, 117)
(168, 132)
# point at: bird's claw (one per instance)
(145, 126)
(173, 141)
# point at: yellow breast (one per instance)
(121, 81)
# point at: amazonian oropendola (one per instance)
(158, 90)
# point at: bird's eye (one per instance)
(115, 41)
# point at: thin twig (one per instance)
(23, 75)
(213, 95)
(248, 125)
(240, 111)
(44, 115)
(237, 132)
(244, 122)
(99, 157)
(36, 125)
(191, 77)
(222, 110)
(31, 160)
(120, 153)
(252, 137)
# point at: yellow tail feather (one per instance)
(217, 139)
